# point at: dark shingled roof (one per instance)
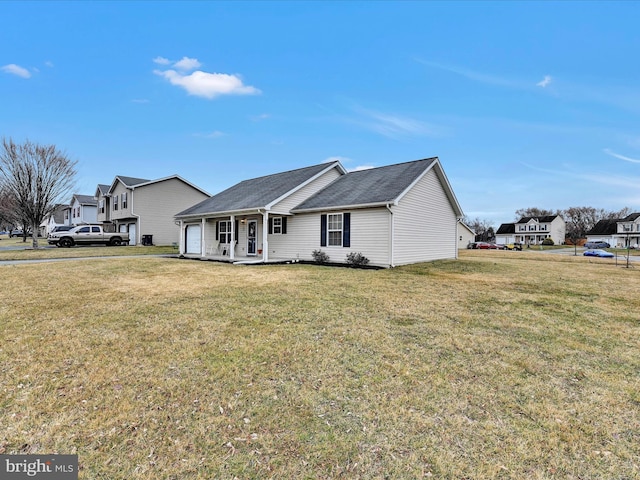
(85, 199)
(367, 187)
(506, 228)
(545, 219)
(630, 218)
(605, 227)
(257, 192)
(103, 189)
(131, 181)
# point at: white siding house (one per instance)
(82, 209)
(534, 230)
(393, 215)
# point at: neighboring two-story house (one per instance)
(146, 208)
(617, 232)
(82, 209)
(533, 230)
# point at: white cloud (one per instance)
(14, 69)
(620, 157)
(258, 118)
(471, 74)
(161, 61)
(49, 64)
(208, 85)
(187, 64)
(214, 134)
(394, 126)
(544, 82)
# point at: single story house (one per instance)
(393, 215)
(146, 208)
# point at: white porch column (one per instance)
(232, 244)
(265, 235)
(203, 247)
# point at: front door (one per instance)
(252, 231)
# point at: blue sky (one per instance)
(527, 104)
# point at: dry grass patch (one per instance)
(493, 366)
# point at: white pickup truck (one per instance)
(87, 235)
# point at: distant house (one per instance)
(53, 220)
(465, 235)
(617, 232)
(533, 230)
(146, 208)
(82, 209)
(393, 215)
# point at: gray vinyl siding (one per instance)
(156, 205)
(305, 192)
(369, 236)
(106, 216)
(424, 224)
(120, 213)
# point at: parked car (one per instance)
(87, 235)
(591, 245)
(18, 232)
(483, 245)
(497, 246)
(513, 246)
(598, 253)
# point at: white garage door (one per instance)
(132, 234)
(193, 239)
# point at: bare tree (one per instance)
(534, 212)
(37, 177)
(8, 209)
(483, 228)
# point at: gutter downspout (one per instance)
(391, 235)
(138, 225)
(455, 239)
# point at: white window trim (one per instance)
(334, 230)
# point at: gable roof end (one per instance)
(261, 192)
(376, 186)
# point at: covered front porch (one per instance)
(239, 237)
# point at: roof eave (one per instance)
(344, 207)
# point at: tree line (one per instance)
(579, 220)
